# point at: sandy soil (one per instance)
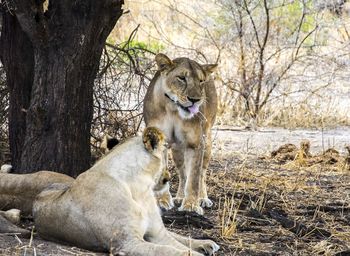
(261, 206)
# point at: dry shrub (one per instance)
(125, 72)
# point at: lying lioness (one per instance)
(110, 207)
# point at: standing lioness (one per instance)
(181, 101)
(110, 207)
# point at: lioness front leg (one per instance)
(164, 237)
(162, 189)
(178, 157)
(205, 246)
(164, 198)
(158, 234)
(194, 173)
(144, 248)
(192, 246)
(203, 195)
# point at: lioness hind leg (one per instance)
(8, 227)
(8, 219)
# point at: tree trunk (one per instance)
(16, 54)
(67, 42)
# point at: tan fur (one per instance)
(161, 190)
(179, 85)
(13, 215)
(163, 181)
(19, 191)
(111, 206)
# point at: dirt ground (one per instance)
(262, 206)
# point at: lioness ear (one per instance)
(112, 142)
(108, 142)
(152, 137)
(163, 61)
(209, 68)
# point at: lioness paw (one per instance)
(191, 206)
(13, 215)
(166, 205)
(166, 202)
(206, 202)
(208, 247)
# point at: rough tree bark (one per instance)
(52, 100)
(17, 59)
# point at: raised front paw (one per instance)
(191, 205)
(206, 202)
(208, 247)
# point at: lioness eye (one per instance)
(182, 78)
(201, 81)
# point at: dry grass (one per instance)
(229, 217)
(263, 207)
(288, 116)
(305, 115)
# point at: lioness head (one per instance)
(184, 83)
(155, 142)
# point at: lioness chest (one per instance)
(177, 131)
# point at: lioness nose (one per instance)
(193, 100)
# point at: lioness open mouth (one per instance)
(194, 109)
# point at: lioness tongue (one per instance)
(193, 109)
